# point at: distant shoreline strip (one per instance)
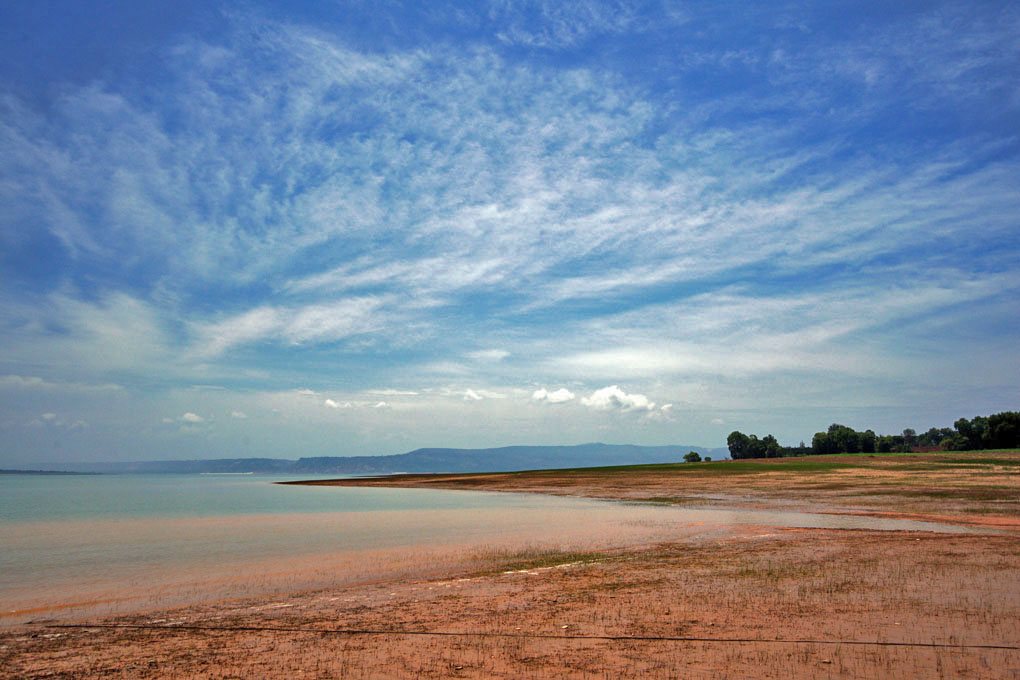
(535, 636)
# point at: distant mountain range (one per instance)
(502, 459)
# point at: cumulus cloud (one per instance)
(662, 414)
(188, 422)
(559, 396)
(240, 415)
(471, 395)
(612, 398)
(336, 404)
(381, 404)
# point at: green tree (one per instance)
(1004, 430)
(975, 432)
(843, 439)
(954, 442)
(868, 438)
(756, 448)
(738, 443)
(692, 457)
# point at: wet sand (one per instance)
(726, 601)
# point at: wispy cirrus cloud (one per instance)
(712, 206)
(317, 323)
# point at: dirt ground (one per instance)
(745, 602)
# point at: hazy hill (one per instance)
(423, 460)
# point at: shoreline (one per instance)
(722, 601)
(966, 493)
(653, 611)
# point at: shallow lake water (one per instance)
(73, 546)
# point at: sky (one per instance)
(233, 229)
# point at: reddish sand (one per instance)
(744, 602)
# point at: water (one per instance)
(73, 546)
(74, 497)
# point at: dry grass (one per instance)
(764, 584)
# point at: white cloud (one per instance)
(559, 396)
(489, 355)
(561, 24)
(24, 382)
(240, 415)
(662, 414)
(489, 394)
(336, 404)
(192, 418)
(314, 323)
(381, 404)
(613, 398)
(479, 180)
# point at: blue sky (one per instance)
(341, 228)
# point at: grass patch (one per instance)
(673, 500)
(527, 559)
(1004, 462)
(721, 468)
(831, 486)
(998, 510)
(972, 494)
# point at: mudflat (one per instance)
(739, 601)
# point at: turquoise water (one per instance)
(74, 546)
(54, 497)
(77, 546)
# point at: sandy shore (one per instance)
(745, 602)
(973, 488)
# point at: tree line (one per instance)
(997, 431)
